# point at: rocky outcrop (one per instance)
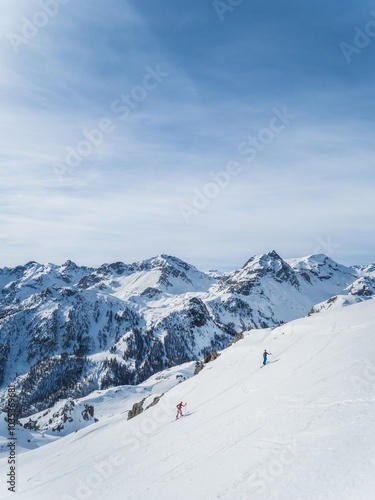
(155, 401)
(136, 410)
(211, 357)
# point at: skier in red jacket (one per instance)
(179, 409)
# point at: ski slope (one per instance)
(300, 428)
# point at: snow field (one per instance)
(299, 428)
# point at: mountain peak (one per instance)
(164, 260)
(320, 263)
(267, 260)
(274, 255)
(69, 264)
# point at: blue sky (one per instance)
(209, 130)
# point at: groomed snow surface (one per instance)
(300, 428)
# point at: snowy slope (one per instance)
(67, 416)
(301, 427)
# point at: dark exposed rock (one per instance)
(136, 410)
(238, 337)
(198, 367)
(88, 412)
(151, 292)
(197, 312)
(155, 401)
(211, 357)
(32, 425)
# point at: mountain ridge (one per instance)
(66, 330)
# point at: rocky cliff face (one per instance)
(68, 330)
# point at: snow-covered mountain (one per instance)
(67, 330)
(300, 427)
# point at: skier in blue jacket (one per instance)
(265, 354)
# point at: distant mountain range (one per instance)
(67, 330)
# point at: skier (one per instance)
(265, 354)
(179, 409)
